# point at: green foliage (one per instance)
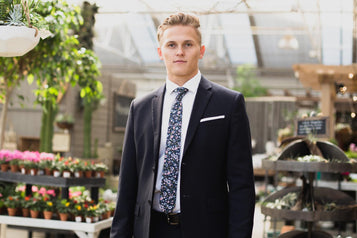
(21, 13)
(247, 84)
(86, 32)
(53, 63)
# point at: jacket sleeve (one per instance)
(122, 226)
(240, 173)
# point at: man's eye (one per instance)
(188, 44)
(171, 45)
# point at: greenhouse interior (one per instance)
(72, 71)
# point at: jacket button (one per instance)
(185, 196)
(183, 164)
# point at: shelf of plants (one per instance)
(82, 230)
(307, 203)
(62, 203)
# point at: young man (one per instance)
(186, 167)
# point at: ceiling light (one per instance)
(288, 41)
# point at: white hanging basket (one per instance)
(17, 40)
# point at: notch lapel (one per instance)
(203, 95)
(157, 104)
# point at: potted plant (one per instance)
(19, 27)
(48, 208)
(78, 167)
(91, 213)
(63, 208)
(88, 169)
(14, 160)
(36, 206)
(104, 210)
(4, 161)
(100, 169)
(78, 211)
(64, 121)
(46, 164)
(12, 203)
(25, 203)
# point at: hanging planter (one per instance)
(18, 35)
(17, 40)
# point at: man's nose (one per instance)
(179, 51)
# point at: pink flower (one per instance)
(51, 192)
(34, 189)
(75, 194)
(42, 191)
(21, 188)
(48, 156)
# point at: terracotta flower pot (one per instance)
(34, 214)
(11, 211)
(25, 212)
(14, 168)
(63, 216)
(4, 167)
(88, 173)
(48, 171)
(47, 215)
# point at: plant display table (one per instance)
(64, 183)
(82, 230)
(333, 160)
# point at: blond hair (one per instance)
(180, 18)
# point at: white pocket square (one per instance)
(212, 118)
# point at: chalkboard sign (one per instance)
(121, 111)
(316, 126)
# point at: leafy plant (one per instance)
(21, 13)
(64, 118)
(12, 202)
(36, 204)
(63, 205)
(247, 83)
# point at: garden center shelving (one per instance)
(337, 162)
(83, 230)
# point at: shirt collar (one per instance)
(191, 84)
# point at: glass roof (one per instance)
(272, 34)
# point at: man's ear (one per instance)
(202, 51)
(159, 52)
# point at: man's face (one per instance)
(180, 49)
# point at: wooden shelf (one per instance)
(51, 180)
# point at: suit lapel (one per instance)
(202, 98)
(157, 104)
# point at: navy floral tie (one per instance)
(172, 155)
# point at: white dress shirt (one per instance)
(187, 104)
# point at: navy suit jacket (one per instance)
(217, 182)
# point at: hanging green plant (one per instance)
(21, 27)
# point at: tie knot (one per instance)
(181, 91)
